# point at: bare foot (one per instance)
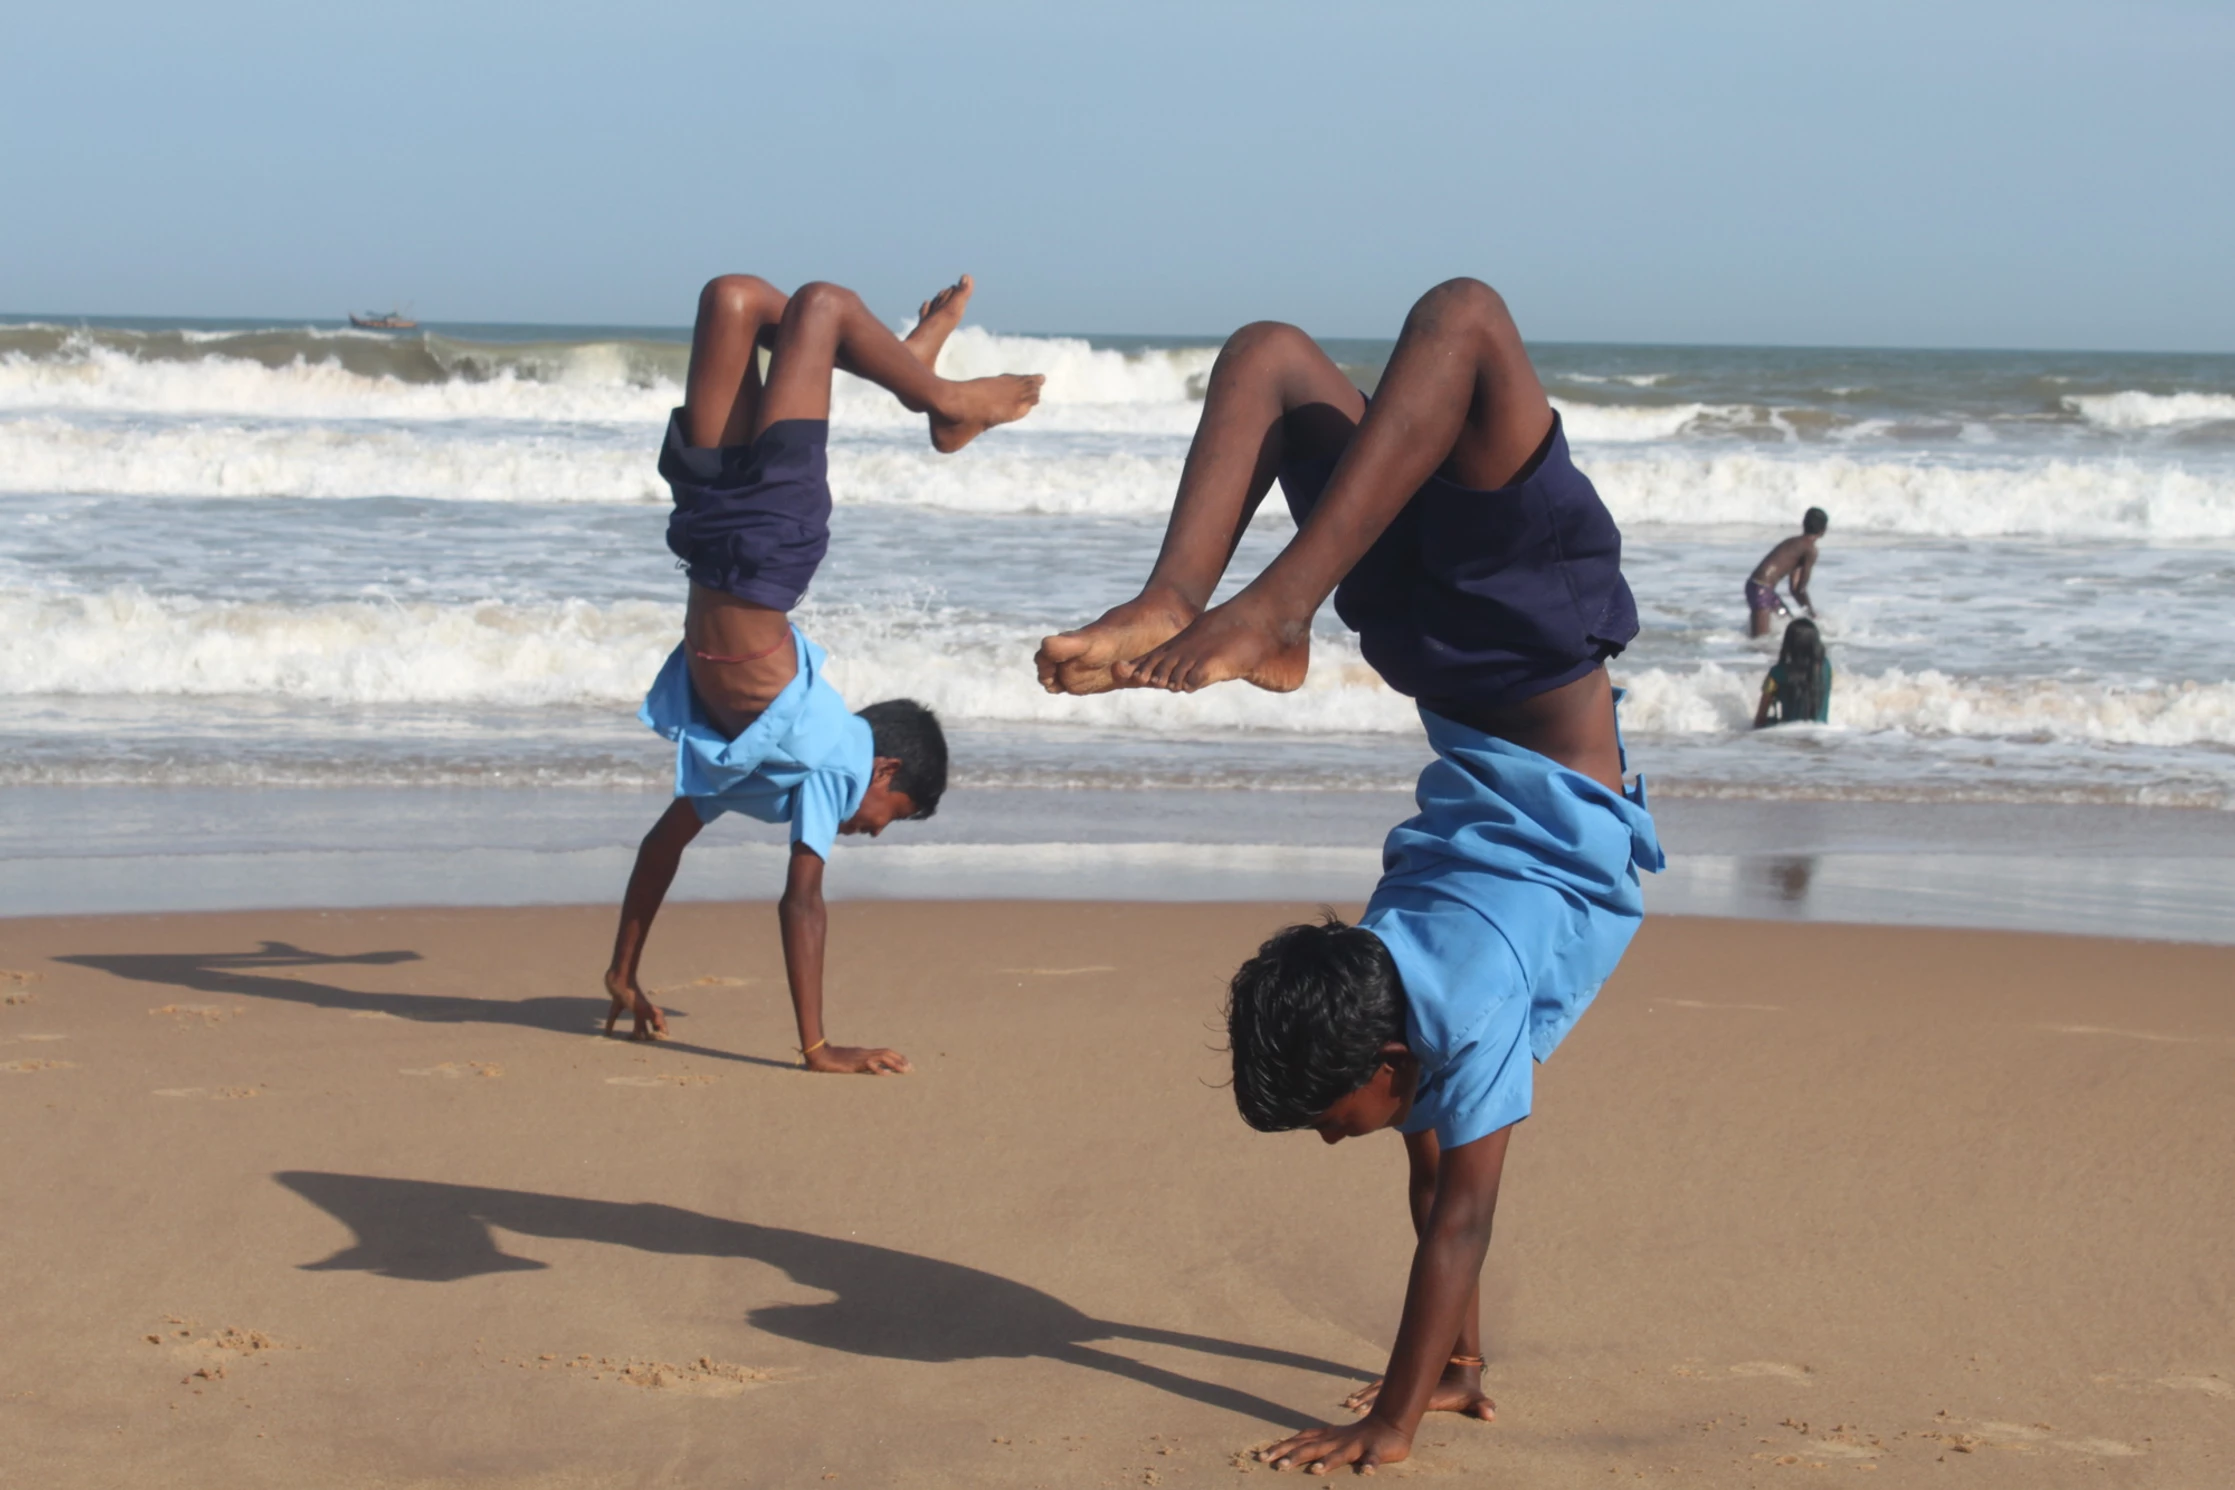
(971, 408)
(936, 320)
(1459, 1390)
(1079, 661)
(1234, 640)
(858, 1060)
(629, 999)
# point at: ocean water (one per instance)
(247, 556)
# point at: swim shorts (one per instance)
(751, 520)
(1762, 597)
(1476, 599)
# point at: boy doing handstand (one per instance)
(757, 727)
(1483, 576)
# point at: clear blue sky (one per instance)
(2029, 173)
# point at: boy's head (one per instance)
(1814, 521)
(909, 774)
(1316, 1024)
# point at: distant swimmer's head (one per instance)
(1814, 521)
(909, 775)
(1316, 1024)
(1804, 645)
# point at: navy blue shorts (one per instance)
(751, 520)
(1480, 599)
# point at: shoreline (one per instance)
(2156, 873)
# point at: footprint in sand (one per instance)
(704, 1377)
(15, 987)
(214, 1351)
(2211, 1386)
(2029, 1438)
(709, 981)
(455, 1069)
(2098, 1029)
(1783, 1369)
(206, 1013)
(20, 1066)
(691, 1079)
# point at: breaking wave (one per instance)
(500, 654)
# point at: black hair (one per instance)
(906, 731)
(1306, 1020)
(1802, 657)
(1814, 521)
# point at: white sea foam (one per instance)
(124, 642)
(2116, 499)
(127, 642)
(1712, 699)
(2135, 410)
(588, 382)
(1050, 471)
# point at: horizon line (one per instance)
(25, 319)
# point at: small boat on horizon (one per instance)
(395, 320)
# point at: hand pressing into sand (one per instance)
(1459, 1391)
(857, 1060)
(1362, 1445)
(621, 987)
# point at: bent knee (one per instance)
(1266, 339)
(746, 296)
(1465, 301)
(821, 298)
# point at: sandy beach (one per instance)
(359, 1199)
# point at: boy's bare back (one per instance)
(1795, 553)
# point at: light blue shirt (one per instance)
(1505, 903)
(806, 761)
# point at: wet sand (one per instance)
(358, 1199)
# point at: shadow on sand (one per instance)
(891, 1304)
(266, 974)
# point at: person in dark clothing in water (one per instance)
(1798, 688)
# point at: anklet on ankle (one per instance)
(1470, 1362)
(819, 1044)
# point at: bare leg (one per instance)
(1460, 397)
(1273, 394)
(1460, 1389)
(826, 326)
(656, 861)
(737, 315)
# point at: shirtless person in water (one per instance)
(1795, 559)
(757, 727)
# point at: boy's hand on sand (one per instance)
(1079, 662)
(627, 998)
(1459, 1391)
(1362, 1445)
(857, 1060)
(1236, 640)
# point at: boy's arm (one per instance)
(1799, 581)
(1446, 1269)
(804, 922)
(656, 861)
